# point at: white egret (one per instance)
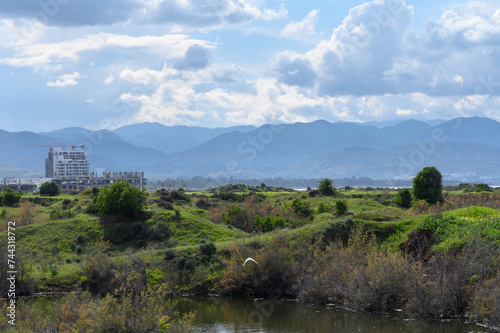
(250, 260)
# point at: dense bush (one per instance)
(427, 185)
(120, 199)
(326, 187)
(9, 197)
(340, 207)
(202, 203)
(403, 198)
(323, 208)
(302, 208)
(49, 188)
(268, 223)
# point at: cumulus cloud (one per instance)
(196, 57)
(358, 53)
(233, 74)
(304, 27)
(293, 69)
(375, 51)
(66, 80)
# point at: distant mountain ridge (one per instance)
(459, 147)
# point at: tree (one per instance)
(120, 199)
(427, 185)
(326, 187)
(403, 198)
(50, 189)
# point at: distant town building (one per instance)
(63, 164)
(70, 170)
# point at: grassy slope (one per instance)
(390, 223)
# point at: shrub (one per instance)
(208, 249)
(322, 208)
(237, 217)
(340, 207)
(403, 198)
(202, 203)
(53, 270)
(9, 197)
(302, 208)
(120, 199)
(179, 195)
(268, 223)
(313, 193)
(170, 254)
(66, 203)
(166, 205)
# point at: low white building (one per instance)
(12, 181)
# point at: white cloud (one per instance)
(458, 79)
(471, 103)
(375, 51)
(271, 14)
(150, 76)
(66, 80)
(206, 15)
(304, 27)
(49, 54)
(109, 79)
(405, 112)
(360, 50)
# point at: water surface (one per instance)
(243, 315)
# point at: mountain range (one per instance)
(459, 148)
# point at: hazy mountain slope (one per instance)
(304, 150)
(400, 162)
(406, 131)
(13, 155)
(172, 139)
(475, 129)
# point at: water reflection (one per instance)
(241, 315)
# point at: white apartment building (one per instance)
(62, 164)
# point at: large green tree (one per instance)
(428, 186)
(326, 187)
(120, 199)
(49, 188)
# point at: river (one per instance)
(224, 315)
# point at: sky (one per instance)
(102, 64)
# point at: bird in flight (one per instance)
(250, 260)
